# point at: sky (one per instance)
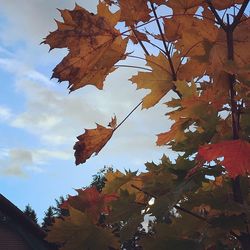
(39, 119)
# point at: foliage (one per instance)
(30, 212)
(200, 200)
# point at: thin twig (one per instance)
(183, 210)
(185, 55)
(139, 40)
(171, 65)
(131, 66)
(127, 116)
(164, 43)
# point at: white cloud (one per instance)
(5, 113)
(14, 163)
(21, 162)
(55, 118)
(31, 20)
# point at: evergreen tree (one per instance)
(48, 219)
(99, 178)
(58, 210)
(28, 211)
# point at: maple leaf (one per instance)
(124, 207)
(159, 81)
(194, 39)
(219, 55)
(94, 46)
(77, 231)
(133, 12)
(184, 6)
(236, 155)
(117, 182)
(158, 2)
(137, 36)
(91, 202)
(193, 43)
(176, 132)
(190, 111)
(92, 141)
(221, 5)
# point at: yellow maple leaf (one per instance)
(159, 81)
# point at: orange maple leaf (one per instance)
(236, 155)
(92, 141)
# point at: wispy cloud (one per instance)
(33, 17)
(56, 118)
(21, 162)
(5, 113)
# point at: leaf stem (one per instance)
(164, 42)
(171, 65)
(130, 113)
(218, 18)
(131, 66)
(140, 42)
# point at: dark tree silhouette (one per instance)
(99, 178)
(30, 212)
(58, 210)
(48, 219)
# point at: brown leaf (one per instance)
(92, 141)
(94, 46)
(222, 4)
(137, 36)
(184, 6)
(133, 11)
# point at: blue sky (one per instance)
(39, 120)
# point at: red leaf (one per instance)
(236, 155)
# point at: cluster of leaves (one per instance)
(200, 200)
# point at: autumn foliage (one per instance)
(198, 53)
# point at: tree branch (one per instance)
(140, 42)
(164, 43)
(239, 15)
(184, 210)
(219, 20)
